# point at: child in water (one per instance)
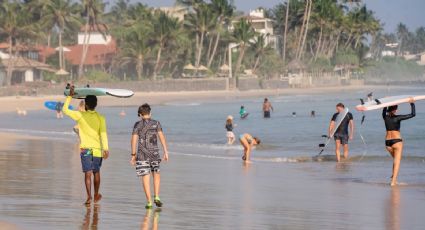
(243, 112)
(229, 127)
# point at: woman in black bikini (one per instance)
(393, 141)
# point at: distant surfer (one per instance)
(93, 142)
(342, 135)
(267, 108)
(393, 141)
(294, 114)
(247, 142)
(370, 96)
(313, 113)
(145, 152)
(58, 108)
(243, 113)
(229, 128)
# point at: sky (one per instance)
(391, 12)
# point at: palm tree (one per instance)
(260, 49)
(60, 15)
(224, 11)
(166, 30)
(92, 11)
(243, 33)
(15, 27)
(200, 22)
(402, 34)
(138, 34)
(285, 33)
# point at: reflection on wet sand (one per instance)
(343, 167)
(392, 220)
(151, 218)
(88, 221)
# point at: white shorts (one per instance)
(230, 135)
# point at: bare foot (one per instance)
(248, 162)
(97, 198)
(393, 183)
(88, 201)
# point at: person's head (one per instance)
(229, 119)
(266, 100)
(392, 109)
(91, 102)
(340, 107)
(242, 107)
(144, 110)
(257, 140)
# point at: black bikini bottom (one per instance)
(392, 142)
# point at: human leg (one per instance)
(398, 151)
(337, 147)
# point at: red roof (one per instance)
(96, 54)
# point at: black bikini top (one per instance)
(392, 123)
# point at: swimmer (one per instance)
(313, 113)
(242, 112)
(342, 135)
(393, 141)
(229, 128)
(294, 114)
(267, 108)
(247, 142)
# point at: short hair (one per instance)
(392, 108)
(257, 140)
(91, 102)
(340, 105)
(144, 109)
(266, 99)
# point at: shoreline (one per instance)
(12, 103)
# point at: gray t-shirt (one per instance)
(147, 130)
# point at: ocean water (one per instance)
(206, 186)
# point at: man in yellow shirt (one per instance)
(93, 141)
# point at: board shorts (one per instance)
(144, 168)
(266, 114)
(230, 134)
(343, 138)
(90, 162)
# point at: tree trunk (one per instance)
(319, 43)
(240, 58)
(210, 44)
(257, 61)
(301, 52)
(158, 58)
(9, 72)
(302, 29)
(139, 67)
(198, 58)
(86, 40)
(285, 32)
(214, 51)
(60, 50)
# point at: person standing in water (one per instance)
(58, 107)
(267, 108)
(393, 141)
(93, 142)
(145, 152)
(247, 142)
(229, 128)
(242, 112)
(342, 135)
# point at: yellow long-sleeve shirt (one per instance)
(92, 128)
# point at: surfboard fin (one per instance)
(362, 101)
(378, 101)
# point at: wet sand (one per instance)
(10, 104)
(41, 187)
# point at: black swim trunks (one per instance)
(266, 114)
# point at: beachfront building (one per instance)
(101, 51)
(177, 11)
(38, 53)
(24, 69)
(261, 25)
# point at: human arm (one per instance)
(134, 139)
(408, 116)
(384, 112)
(104, 138)
(331, 128)
(74, 115)
(351, 129)
(164, 144)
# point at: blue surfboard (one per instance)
(51, 105)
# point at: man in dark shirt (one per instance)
(341, 135)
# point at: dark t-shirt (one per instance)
(343, 128)
(147, 130)
(229, 127)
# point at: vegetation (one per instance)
(319, 33)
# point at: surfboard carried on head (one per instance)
(387, 101)
(53, 105)
(338, 121)
(83, 92)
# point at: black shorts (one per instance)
(266, 114)
(343, 138)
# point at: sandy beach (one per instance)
(10, 104)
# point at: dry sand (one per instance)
(10, 104)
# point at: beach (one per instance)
(205, 185)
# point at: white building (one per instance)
(94, 38)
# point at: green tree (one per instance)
(243, 34)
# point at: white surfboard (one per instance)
(388, 101)
(338, 121)
(83, 92)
